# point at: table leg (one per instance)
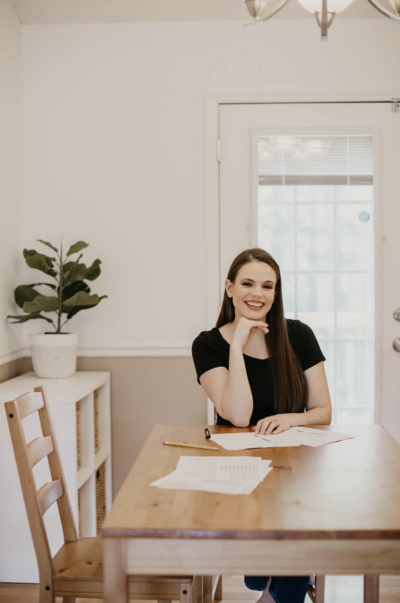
(207, 589)
(371, 589)
(115, 576)
(218, 589)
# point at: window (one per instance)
(315, 216)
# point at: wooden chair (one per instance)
(316, 591)
(76, 570)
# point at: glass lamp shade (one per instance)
(395, 4)
(255, 7)
(333, 6)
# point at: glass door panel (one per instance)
(323, 239)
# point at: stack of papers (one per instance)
(227, 475)
(295, 436)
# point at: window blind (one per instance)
(319, 160)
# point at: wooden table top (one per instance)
(349, 489)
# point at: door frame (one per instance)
(213, 276)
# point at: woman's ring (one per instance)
(276, 421)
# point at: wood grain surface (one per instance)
(339, 589)
(347, 490)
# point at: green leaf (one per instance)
(25, 317)
(32, 252)
(82, 299)
(75, 287)
(93, 271)
(42, 303)
(74, 272)
(48, 245)
(77, 309)
(77, 247)
(28, 252)
(25, 293)
(67, 266)
(41, 262)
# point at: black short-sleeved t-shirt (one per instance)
(210, 350)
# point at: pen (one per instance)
(207, 434)
(189, 446)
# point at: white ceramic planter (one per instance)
(54, 356)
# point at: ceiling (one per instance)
(35, 12)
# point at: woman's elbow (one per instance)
(329, 415)
(237, 419)
(240, 422)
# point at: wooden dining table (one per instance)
(333, 509)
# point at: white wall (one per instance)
(114, 146)
(10, 175)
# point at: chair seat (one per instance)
(79, 572)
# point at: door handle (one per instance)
(396, 344)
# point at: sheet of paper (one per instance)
(316, 437)
(223, 487)
(238, 441)
(295, 436)
(246, 441)
(229, 481)
(219, 467)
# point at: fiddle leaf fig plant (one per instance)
(68, 295)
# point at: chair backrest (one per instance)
(27, 456)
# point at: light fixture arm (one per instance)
(324, 21)
(385, 12)
(271, 14)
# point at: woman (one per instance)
(261, 369)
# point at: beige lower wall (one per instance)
(11, 370)
(144, 392)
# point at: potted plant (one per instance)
(54, 353)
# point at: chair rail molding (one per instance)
(137, 350)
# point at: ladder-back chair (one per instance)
(76, 570)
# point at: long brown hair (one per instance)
(290, 385)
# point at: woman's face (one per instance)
(253, 291)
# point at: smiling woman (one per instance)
(256, 366)
(261, 369)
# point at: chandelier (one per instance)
(324, 11)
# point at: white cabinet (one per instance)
(80, 409)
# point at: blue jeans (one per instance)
(282, 589)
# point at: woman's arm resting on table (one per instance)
(230, 391)
(319, 407)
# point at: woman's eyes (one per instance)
(249, 285)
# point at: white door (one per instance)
(317, 185)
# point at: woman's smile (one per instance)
(254, 305)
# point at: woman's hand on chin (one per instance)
(243, 329)
(273, 425)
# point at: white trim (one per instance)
(213, 280)
(295, 98)
(134, 351)
(379, 239)
(210, 412)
